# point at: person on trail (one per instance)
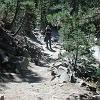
(48, 36)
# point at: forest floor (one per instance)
(37, 84)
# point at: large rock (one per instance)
(64, 76)
(57, 64)
(96, 53)
(60, 63)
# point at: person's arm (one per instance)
(45, 32)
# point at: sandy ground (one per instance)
(37, 84)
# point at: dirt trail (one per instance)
(37, 84)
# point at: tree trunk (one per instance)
(43, 16)
(76, 56)
(74, 4)
(16, 12)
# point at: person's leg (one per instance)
(47, 44)
(50, 43)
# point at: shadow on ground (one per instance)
(31, 77)
(3, 87)
(26, 76)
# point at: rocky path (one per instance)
(37, 84)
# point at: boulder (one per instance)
(96, 53)
(64, 76)
(57, 64)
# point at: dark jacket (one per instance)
(48, 33)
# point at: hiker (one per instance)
(47, 38)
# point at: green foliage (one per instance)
(7, 7)
(77, 40)
(76, 34)
(29, 4)
(74, 38)
(98, 72)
